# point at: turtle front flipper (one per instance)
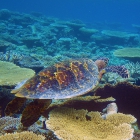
(14, 106)
(33, 111)
(121, 70)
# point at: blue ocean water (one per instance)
(124, 12)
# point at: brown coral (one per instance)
(72, 124)
(26, 135)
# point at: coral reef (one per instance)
(68, 123)
(126, 95)
(26, 135)
(134, 69)
(12, 74)
(75, 24)
(86, 102)
(110, 109)
(137, 27)
(11, 56)
(41, 35)
(121, 70)
(88, 30)
(86, 33)
(23, 60)
(50, 136)
(119, 34)
(35, 41)
(112, 78)
(136, 136)
(5, 44)
(34, 109)
(8, 124)
(132, 54)
(5, 14)
(30, 62)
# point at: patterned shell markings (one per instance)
(63, 80)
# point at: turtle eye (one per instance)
(106, 60)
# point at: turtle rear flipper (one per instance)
(121, 70)
(33, 111)
(14, 106)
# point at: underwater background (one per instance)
(98, 43)
(108, 11)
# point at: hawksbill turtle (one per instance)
(63, 80)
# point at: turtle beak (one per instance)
(101, 73)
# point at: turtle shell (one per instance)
(62, 80)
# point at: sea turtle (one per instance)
(63, 80)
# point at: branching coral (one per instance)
(71, 124)
(112, 78)
(22, 136)
(134, 69)
(11, 56)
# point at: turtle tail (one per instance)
(121, 70)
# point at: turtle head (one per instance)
(102, 62)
